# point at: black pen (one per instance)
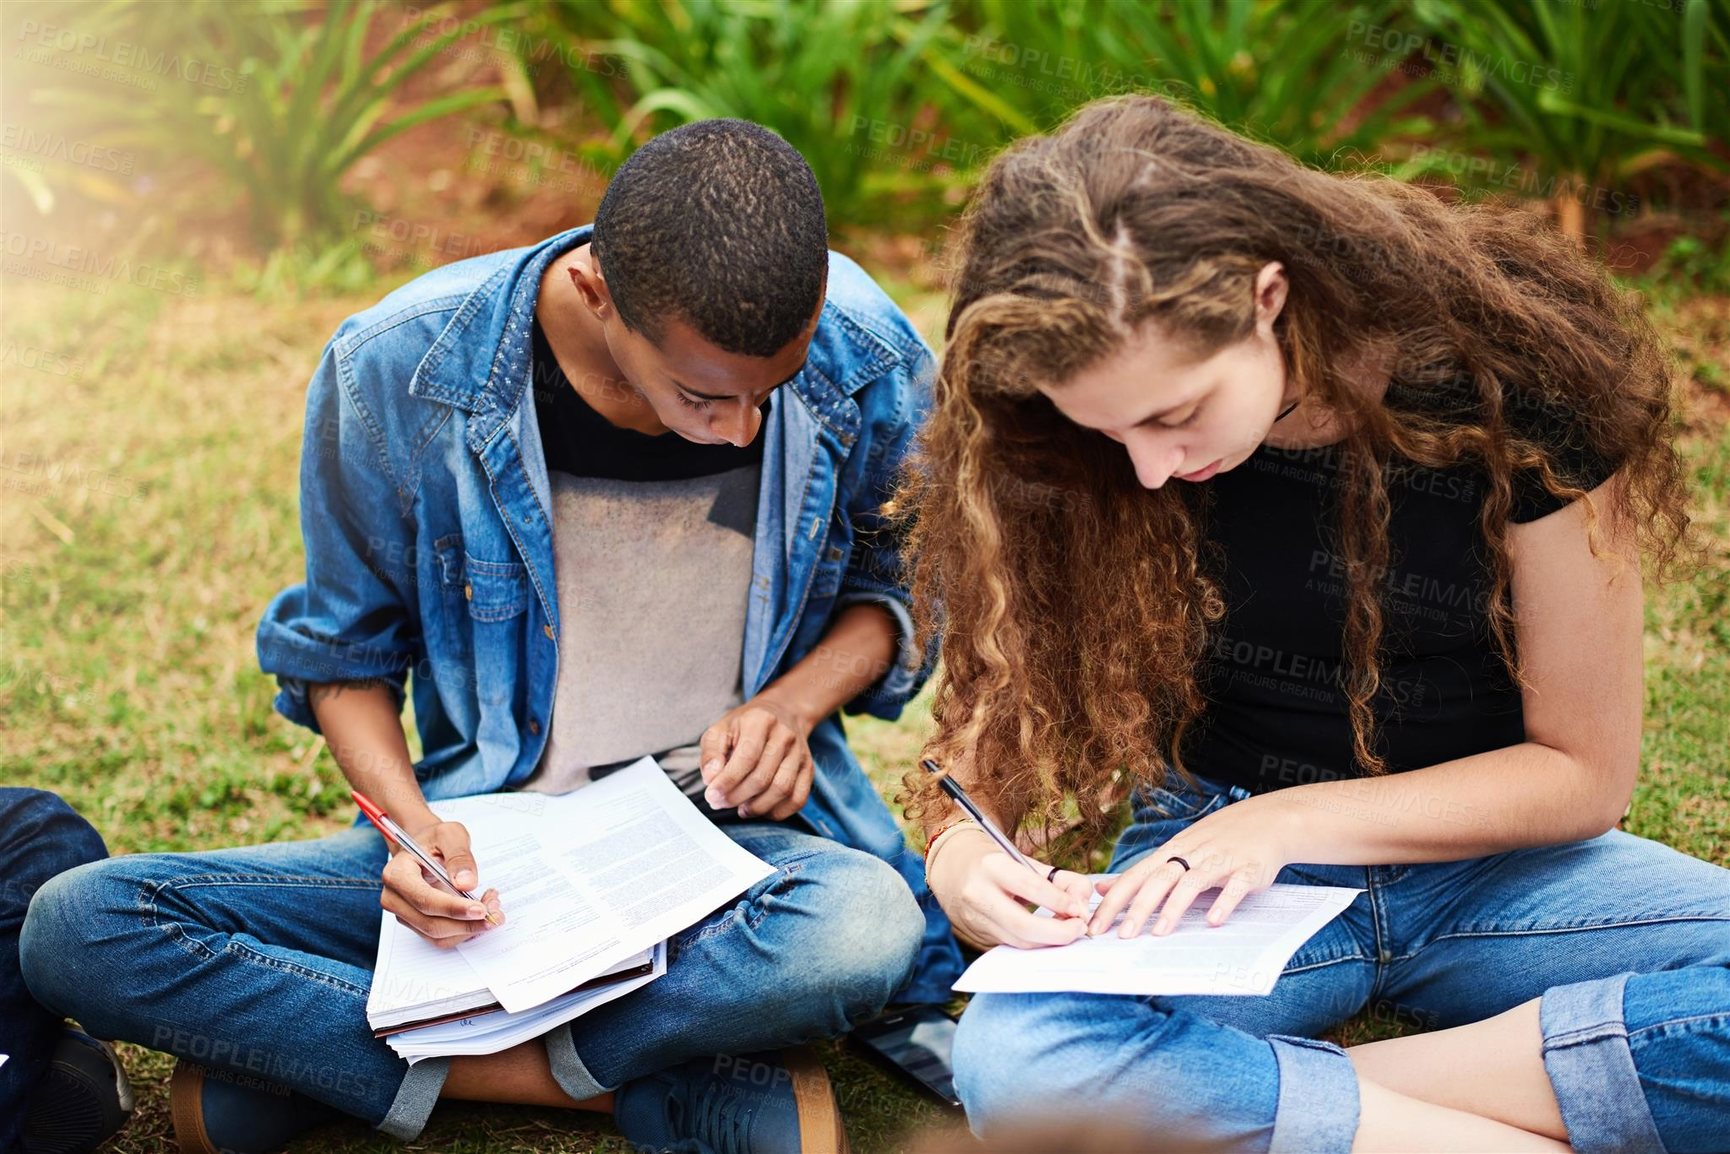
(953, 788)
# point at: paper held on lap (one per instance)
(601, 873)
(1243, 955)
(497, 1030)
(592, 883)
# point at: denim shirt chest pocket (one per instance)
(483, 601)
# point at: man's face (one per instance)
(697, 390)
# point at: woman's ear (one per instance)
(1271, 286)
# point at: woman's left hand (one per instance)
(1240, 847)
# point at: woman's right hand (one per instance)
(422, 903)
(984, 891)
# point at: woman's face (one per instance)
(1178, 416)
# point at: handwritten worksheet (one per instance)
(1244, 955)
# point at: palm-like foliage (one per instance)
(302, 99)
(1591, 95)
(1282, 72)
(838, 79)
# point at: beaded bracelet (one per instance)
(941, 830)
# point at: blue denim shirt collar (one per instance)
(479, 363)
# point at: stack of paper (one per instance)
(1245, 954)
(429, 1002)
(592, 884)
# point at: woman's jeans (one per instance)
(258, 960)
(1626, 941)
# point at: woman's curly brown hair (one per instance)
(1075, 605)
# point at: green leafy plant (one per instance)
(1280, 70)
(297, 101)
(1591, 94)
(841, 80)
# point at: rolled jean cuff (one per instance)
(415, 1098)
(568, 1070)
(1592, 1070)
(1317, 1110)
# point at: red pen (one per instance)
(396, 833)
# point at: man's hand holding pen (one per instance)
(421, 902)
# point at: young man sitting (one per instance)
(611, 495)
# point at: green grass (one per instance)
(148, 512)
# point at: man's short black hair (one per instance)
(719, 223)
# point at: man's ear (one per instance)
(591, 286)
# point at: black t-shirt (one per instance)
(579, 441)
(1274, 677)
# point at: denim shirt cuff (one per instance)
(292, 702)
(891, 691)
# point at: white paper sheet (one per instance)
(416, 980)
(500, 1030)
(1244, 955)
(592, 877)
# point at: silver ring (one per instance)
(1179, 861)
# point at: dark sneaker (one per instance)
(82, 1100)
(225, 1112)
(778, 1103)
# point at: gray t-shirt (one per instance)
(652, 545)
(653, 578)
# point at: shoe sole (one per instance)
(82, 1100)
(185, 1093)
(820, 1127)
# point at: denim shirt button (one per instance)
(534, 727)
(548, 630)
(468, 591)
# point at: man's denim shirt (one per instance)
(425, 503)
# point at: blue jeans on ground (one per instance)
(1627, 942)
(259, 959)
(40, 836)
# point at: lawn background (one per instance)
(149, 440)
(150, 511)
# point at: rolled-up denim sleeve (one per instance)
(874, 572)
(352, 618)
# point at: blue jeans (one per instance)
(40, 836)
(259, 959)
(1627, 942)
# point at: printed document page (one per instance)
(591, 877)
(498, 1030)
(414, 980)
(1244, 955)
